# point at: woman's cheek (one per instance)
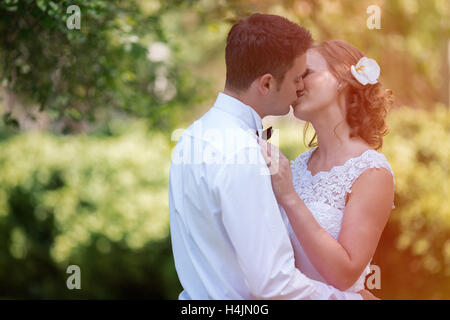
(312, 85)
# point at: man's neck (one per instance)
(246, 99)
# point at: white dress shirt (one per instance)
(228, 237)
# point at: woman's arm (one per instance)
(339, 262)
(366, 214)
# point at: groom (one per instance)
(228, 236)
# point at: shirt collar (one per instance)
(239, 110)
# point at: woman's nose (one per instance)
(301, 85)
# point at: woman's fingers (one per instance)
(265, 152)
(271, 155)
(265, 145)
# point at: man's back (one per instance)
(205, 258)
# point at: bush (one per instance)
(97, 202)
(414, 252)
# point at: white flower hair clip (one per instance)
(366, 71)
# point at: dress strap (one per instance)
(370, 159)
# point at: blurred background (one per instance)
(89, 116)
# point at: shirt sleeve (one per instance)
(254, 224)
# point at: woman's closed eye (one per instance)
(307, 73)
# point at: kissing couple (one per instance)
(245, 222)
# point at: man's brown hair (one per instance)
(260, 44)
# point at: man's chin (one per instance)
(281, 111)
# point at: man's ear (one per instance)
(265, 82)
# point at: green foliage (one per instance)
(97, 202)
(415, 250)
(90, 73)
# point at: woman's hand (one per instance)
(280, 171)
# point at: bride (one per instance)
(337, 196)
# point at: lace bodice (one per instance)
(331, 186)
(325, 193)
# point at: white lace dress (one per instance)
(324, 194)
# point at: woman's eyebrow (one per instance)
(299, 76)
(306, 71)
